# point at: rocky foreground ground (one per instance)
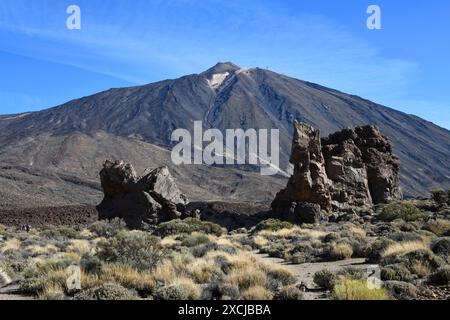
(407, 242)
(339, 230)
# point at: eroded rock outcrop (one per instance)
(350, 168)
(140, 202)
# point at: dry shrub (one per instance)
(52, 291)
(355, 230)
(290, 293)
(36, 250)
(11, 244)
(358, 290)
(289, 233)
(257, 293)
(89, 280)
(438, 227)
(341, 251)
(192, 290)
(202, 271)
(260, 242)
(79, 246)
(86, 234)
(165, 273)
(403, 247)
(128, 277)
(169, 241)
(420, 268)
(279, 273)
(247, 277)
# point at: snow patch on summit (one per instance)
(217, 79)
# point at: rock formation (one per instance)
(350, 168)
(148, 200)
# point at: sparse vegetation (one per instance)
(440, 197)
(440, 277)
(325, 279)
(340, 251)
(358, 290)
(187, 226)
(405, 211)
(273, 225)
(193, 259)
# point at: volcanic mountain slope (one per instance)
(69, 142)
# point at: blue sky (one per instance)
(405, 65)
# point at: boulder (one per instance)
(309, 182)
(162, 184)
(140, 202)
(307, 213)
(352, 168)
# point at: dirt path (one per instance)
(305, 272)
(11, 292)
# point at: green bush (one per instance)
(52, 232)
(401, 290)
(440, 277)
(273, 225)
(440, 197)
(298, 258)
(107, 291)
(325, 279)
(187, 226)
(201, 250)
(405, 236)
(108, 228)
(174, 292)
(331, 237)
(405, 211)
(138, 249)
(396, 272)
(192, 241)
(441, 247)
(217, 290)
(353, 273)
(90, 263)
(417, 262)
(375, 251)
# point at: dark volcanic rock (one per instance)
(350, 168)
(149, 200)
(309, 183)
(368, 161)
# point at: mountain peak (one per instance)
(222, 67)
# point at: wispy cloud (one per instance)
(157, 36)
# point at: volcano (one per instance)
(52, 157)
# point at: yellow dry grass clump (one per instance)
(51, 291)
(358, 290)
(341, 251)
(202, 271)
(36, 250)
(127, 277)
(11, 244)
(403, 247)
(257, 293)
(79, 246)
(288, 233)
(169, 241)
(260, 241)
(191, 289)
